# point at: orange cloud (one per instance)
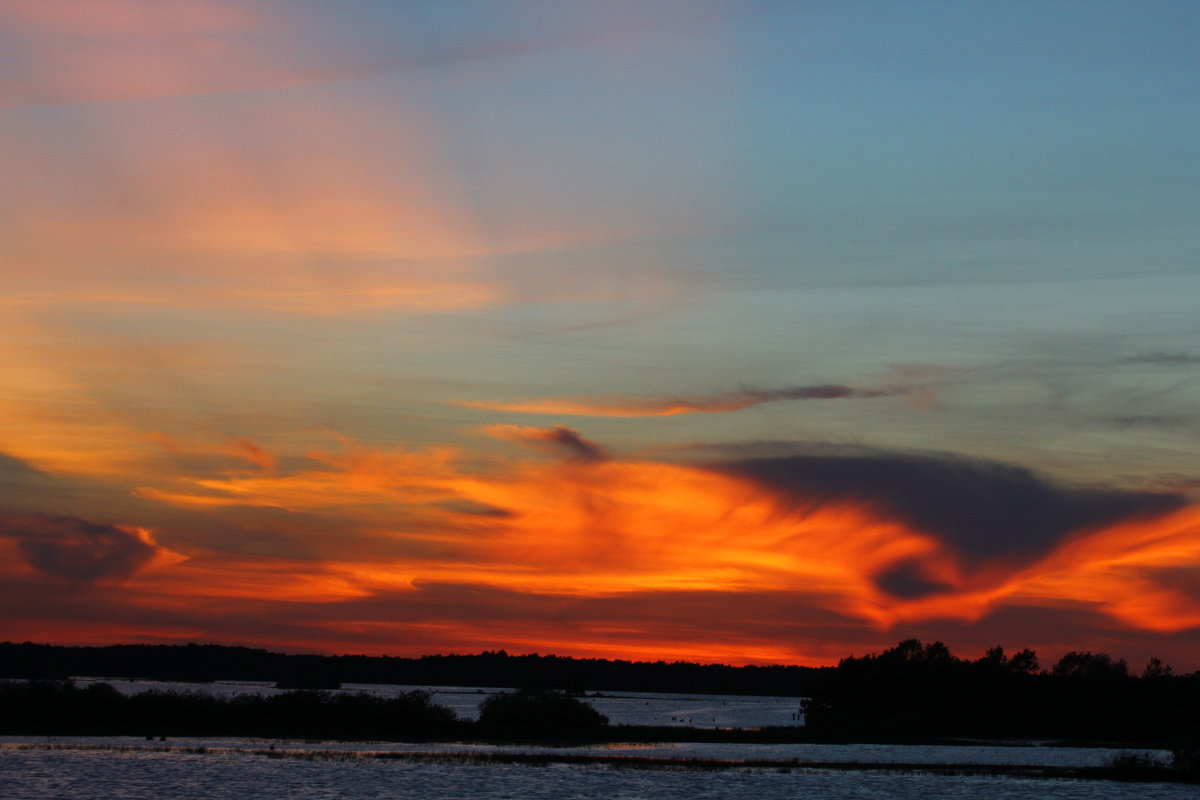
(221, 580)
(590, 527)
(1115, 569)
(360, 476)
(456, 550)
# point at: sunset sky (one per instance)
(743, 332)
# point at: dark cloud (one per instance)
(76, 550)
(829, 391)
(26, 489)
(1185, 580)
(471, 617)
(438, 617)
(982, 511)
(557, 438)
(574, 443)
(462, 505)
(435, 617)
(696, 618)
(12, 467)
(1151, 421)
(905, 580)
(20, 481)
(1160, 357)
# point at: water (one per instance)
(235, 772)
(1015, 755)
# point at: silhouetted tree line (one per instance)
(201, 663)
(61, 708)
(917, 690)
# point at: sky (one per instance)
(720, 331)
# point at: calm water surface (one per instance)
(131, 775)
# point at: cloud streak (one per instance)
(672, 405)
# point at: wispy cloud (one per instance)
(1162, 357)
(671, 405)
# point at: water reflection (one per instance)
(150, 774)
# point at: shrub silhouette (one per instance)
(539, 712)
